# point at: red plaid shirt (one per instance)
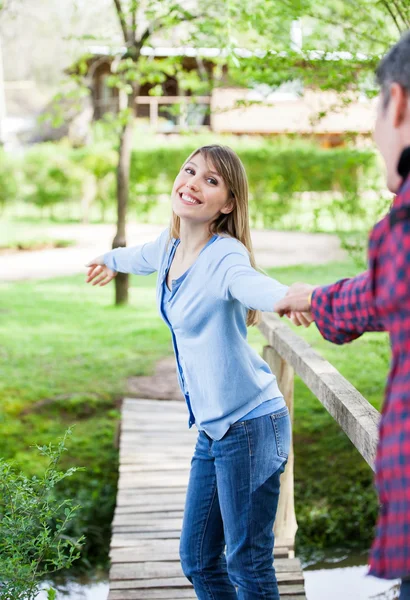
(379, 300)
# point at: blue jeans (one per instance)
(405, 590)
(231, 500)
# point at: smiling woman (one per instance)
(208, 291)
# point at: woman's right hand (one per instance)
(98, 272)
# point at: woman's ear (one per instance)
(229, 206)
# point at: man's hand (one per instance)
(297, 300)
(98, 273)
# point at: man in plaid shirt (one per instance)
(379, 300)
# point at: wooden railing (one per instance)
(287, 354)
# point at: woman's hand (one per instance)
(300, 318)
(297, 300)
(98, 272)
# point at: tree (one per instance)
(140, 22)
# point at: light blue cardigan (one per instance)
(225, 377)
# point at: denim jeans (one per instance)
(405, 590)
(231, 500)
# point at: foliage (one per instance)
(50, 177)
(8, 180)
(279, 176)
(293, 184)
(33, 525)
(101, 163)
(341, 43)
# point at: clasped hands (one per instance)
(296, 304)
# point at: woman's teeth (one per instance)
(186, 198)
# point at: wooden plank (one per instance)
(160, 491)
(123, 540)
(289, 592)
(148, 423)
(287, 569)
(137, 443)
(355, 415)
(121, 579)
(180, 594)
(152, 594)
(136, 481)
(151, 405)
(126, 550)
(132, 508)
(153, 524)
(151, 480)
(154, 467)
(153, 516)
(179, 580)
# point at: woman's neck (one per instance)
(193, 237)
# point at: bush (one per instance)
(293, 184)
(8, 179)
(284, 179)
(33, 524)
(51, 177)
(100, 161)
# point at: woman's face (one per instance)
(199, 193)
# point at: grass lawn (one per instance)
(26, 235)
(66, 353)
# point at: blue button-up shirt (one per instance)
(225, 376)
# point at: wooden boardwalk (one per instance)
(156, 447)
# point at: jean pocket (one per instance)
(283, 431)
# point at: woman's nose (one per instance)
(191, 184)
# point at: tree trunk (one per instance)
(123, 172)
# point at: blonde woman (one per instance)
(208, 291)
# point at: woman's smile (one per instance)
(189, 199)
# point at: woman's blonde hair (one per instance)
(235, 224)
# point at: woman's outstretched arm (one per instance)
(139, 260)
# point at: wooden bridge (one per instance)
(155, 452)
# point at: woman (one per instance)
(208, 291)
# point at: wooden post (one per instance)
(285, 524)
(153, 113)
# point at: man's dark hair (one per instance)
(395, 67)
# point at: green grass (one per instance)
(17, 234)
(65, 356)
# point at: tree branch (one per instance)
(387, 6)
(134, 8)
(336, 23)
(122, 20)
(159, 24)
(400, 13)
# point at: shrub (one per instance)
(8, 179)
(33, 524)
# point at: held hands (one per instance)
(300, 318)
(296, 304)
(98, 272)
